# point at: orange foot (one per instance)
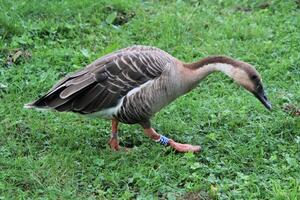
(184, 147)
(114, 144)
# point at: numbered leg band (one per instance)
(163, 140)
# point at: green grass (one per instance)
(248, 152)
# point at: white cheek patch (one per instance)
(243, 79)
(236, 73)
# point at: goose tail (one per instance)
(38, 104)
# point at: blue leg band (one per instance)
(163, 140)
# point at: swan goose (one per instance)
(132, 84)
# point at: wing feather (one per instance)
(74, 88)
(85, 99)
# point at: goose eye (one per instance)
(253, 77)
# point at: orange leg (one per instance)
(150, 132)
(114, 142)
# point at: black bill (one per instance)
(263, 99)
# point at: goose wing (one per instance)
(103, 83)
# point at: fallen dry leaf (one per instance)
(291, 109)
(14, 56)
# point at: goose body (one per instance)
(132, 84)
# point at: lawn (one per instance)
(248, 152)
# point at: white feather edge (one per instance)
(108, 113)
(29, 106)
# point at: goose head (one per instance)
(247, 76)
(241, 72)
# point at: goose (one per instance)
(132, 84)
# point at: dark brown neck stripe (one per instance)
(211, 60)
